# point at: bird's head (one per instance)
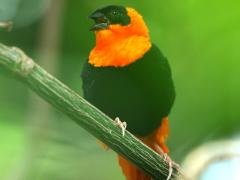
(122, 36)
(109, 15)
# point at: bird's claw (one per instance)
(122, 125)
(170, 163)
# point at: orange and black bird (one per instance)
(127, 76)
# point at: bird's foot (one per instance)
(171, 165)
(122, 125)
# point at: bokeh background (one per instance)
(201, 40)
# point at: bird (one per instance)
(128, 77)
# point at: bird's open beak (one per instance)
(101, 22)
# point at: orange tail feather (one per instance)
(155, 140)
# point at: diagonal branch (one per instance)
(87, 116)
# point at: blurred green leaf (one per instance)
(8, 9)
(22, 12)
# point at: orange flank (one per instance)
(119, 46)
(155, 140)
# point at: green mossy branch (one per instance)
(83, 113)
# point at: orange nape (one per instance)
(155, 140)
(119, 46)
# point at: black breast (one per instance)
(140, 94)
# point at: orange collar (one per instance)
(119, 46)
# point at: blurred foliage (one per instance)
(201, 40)
(22, 12)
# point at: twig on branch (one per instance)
(6, 25)
(83, 113)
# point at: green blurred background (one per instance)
(201, 39)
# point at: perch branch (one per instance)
(15, 62)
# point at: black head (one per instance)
(109, 15)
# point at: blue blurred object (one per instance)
(219, 160)
(222, 170)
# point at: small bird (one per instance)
(127, 76)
